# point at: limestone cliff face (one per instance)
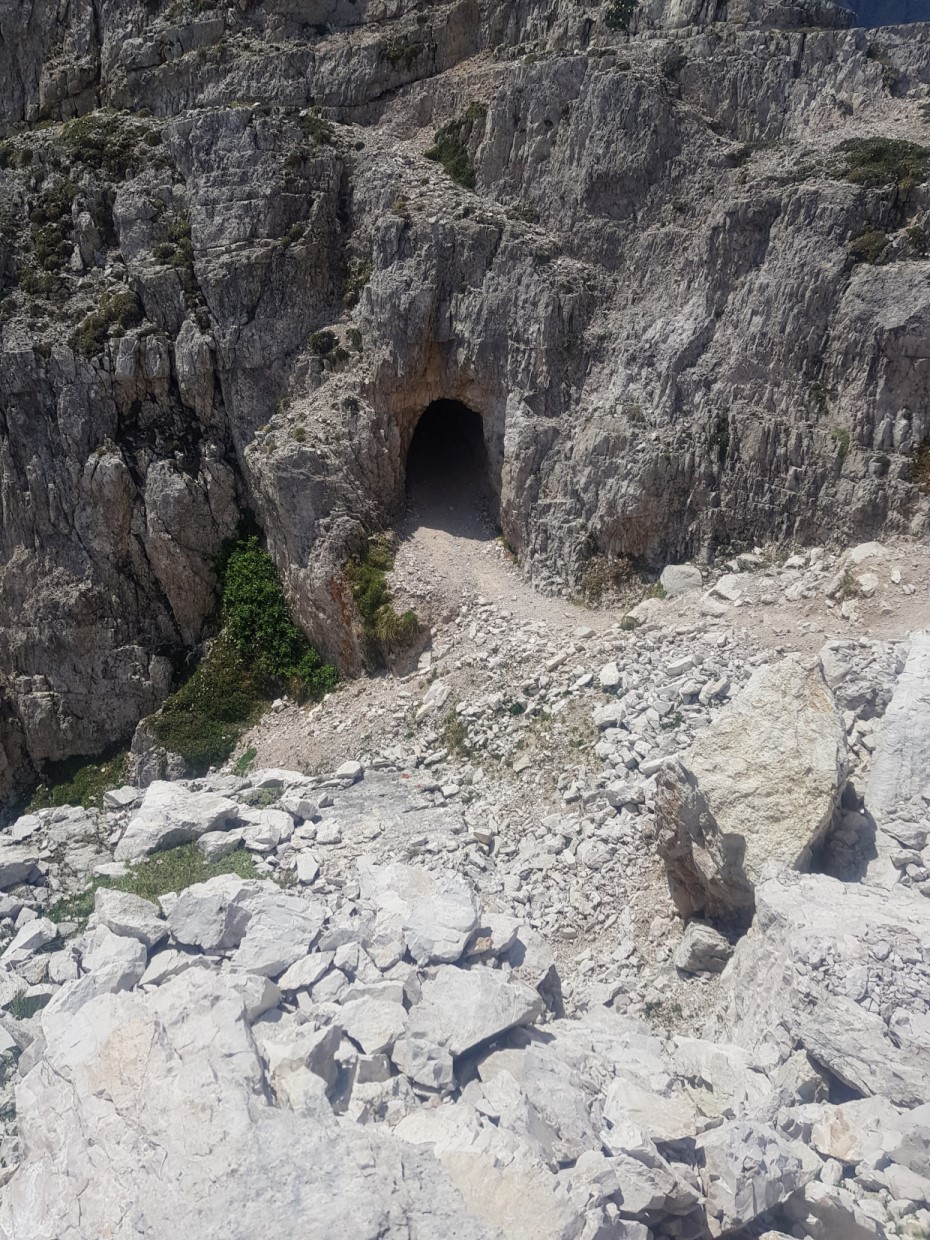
(230, 279)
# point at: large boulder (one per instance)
(898, 778)
(171, 814)
(839, 970)
(461, 1009)
(759, 785)
(153, 1112)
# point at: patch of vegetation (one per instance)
(402, 53)
(628, 624)
(386, 631)
(671, 722)
(172, 870)
(890, 74)
(516, 708)
(109, 143)
(840, 437)
(619, 13)
(662, 1011)
(602, 575)
(656, 590)
(243, 764)
(116, 313)
(821, 394)
(877, 162)
(920, 240)
(325, 344)
(450, 148)
(317, 128)
(358, 276)
(720, 437)
(259, 652)
(75, 781)
(455, 734)
(870, 247)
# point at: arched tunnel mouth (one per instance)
(449, 483)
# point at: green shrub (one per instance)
(870, 247)
(628, 624)
(172, 870)
(203, 720)
(386, 631)
(619, 13)
(317, 129)
(890, 74)
(117, 312)
(75, 781)
(450, 147)
(720, 437)
(356, 280)
(258, 623)
(877, 162)
(656, 590)
(109, 143)
(455, 734)
(260, 652)
(920, 240)
(243, 764)
(841, 439)
(402, 53)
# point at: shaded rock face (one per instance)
(647, 297)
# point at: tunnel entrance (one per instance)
(448, 476)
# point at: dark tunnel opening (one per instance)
(448, 474)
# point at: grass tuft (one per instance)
(386, 631)
(75, 781)
(172, 870)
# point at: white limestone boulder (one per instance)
(130, 915)
(170, 814)
(461, 1009)
(758, 786)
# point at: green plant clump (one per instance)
(450, 147)
(870, 247)
(386, 630)
(619, 13)
(840, 437)
(875, 162)
(75, 781)
(455, 734)
(109, 143)
(259, 652)
(172, 870)
(116, 313)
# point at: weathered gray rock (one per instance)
(129, 915)
(844, 973)
(461, 1009)
(760, 785)
(895, 793)
(152, 1108)
(171, 814)
(17, 864)
(435, 915)
(680, 579)
(702, 949)
(748, 1169)
(114, 961)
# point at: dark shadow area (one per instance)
(448, 478)
(889, 12)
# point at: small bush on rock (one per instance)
(75, 781)
(619, 13)
(870, 247)
(259, 653)
(450, 147)
(386, 631)
(876, 162)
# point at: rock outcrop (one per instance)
(758, 787)
(230, 280)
